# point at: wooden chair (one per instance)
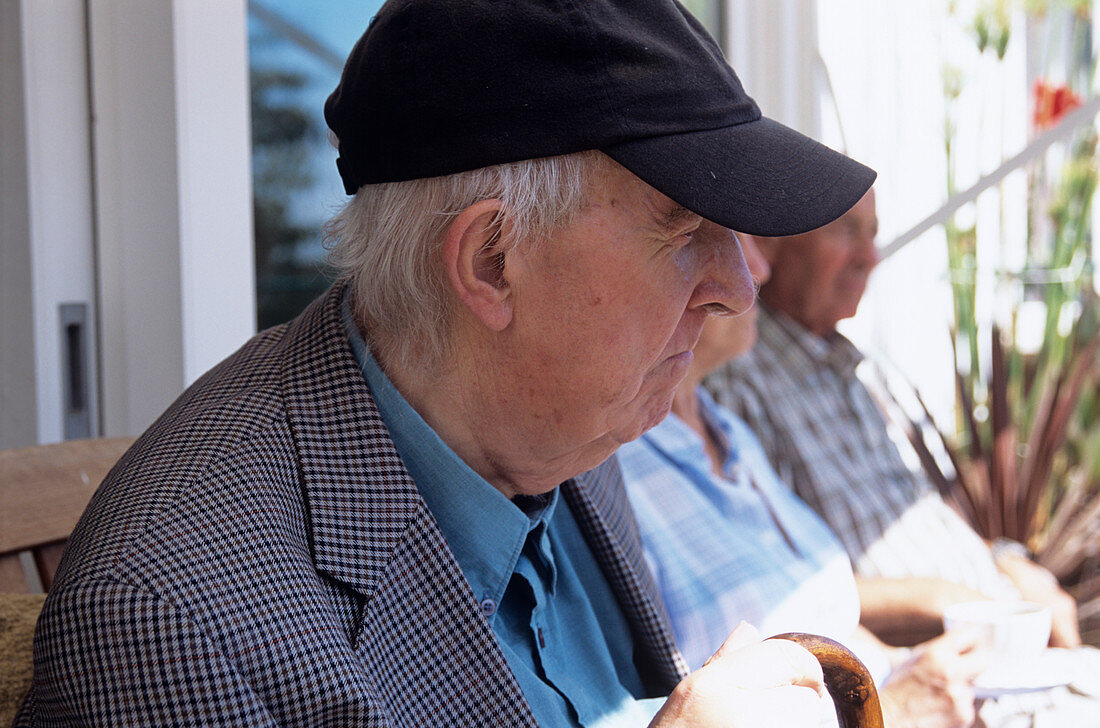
(43, 491)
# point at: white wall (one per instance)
(18, 384)
(772, 45)
(214, 153)
(864, 76)
(52, 233)
(885, 59)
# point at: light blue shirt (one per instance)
(526, 561)
(736, 546)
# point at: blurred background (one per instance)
(165, 172)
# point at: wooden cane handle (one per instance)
(846, 678)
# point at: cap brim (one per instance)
(759, 177)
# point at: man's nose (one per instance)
(725, 286)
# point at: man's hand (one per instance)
(909, 611)
(934, 688)
(1036, 584)
(748, 683)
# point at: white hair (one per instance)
(386, 243)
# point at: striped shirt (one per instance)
(736, 546)
(827, 437)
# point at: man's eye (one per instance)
(688, 235)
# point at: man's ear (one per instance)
(474, 255)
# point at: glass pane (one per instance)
(709, 13)
(296, 52)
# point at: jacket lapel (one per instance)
(430, 653)
(358, 494)
(599, 502)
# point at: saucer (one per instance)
(1024, 675)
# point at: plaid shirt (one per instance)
(261, 557)
(826, 437)
(736, 546)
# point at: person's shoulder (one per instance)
(224, 445)
(192, 467)
(751, 367)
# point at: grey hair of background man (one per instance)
(386, 242)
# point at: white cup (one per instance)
(1010, 629)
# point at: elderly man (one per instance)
(823, 432)
(799, 390)
(395, 510)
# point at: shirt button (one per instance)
(488, 607)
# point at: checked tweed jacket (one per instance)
(262, 557)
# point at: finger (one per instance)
(962, 704)
(1064, 632)
(743, 635)
(769, 664)
(958, 655)
(968, 667)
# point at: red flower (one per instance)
(1052, 103)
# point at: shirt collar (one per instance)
(804, 350)
(485, 530)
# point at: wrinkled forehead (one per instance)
(616, 185)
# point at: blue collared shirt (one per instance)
(554, 614)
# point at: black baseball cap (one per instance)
(436, 87)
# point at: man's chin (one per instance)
(652, 416)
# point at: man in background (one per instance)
(822, 430)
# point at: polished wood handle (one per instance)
(846, 678)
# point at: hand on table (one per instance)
(748, 683)
(934, 688)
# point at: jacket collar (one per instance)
(348, 461)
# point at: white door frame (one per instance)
(127, 188)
